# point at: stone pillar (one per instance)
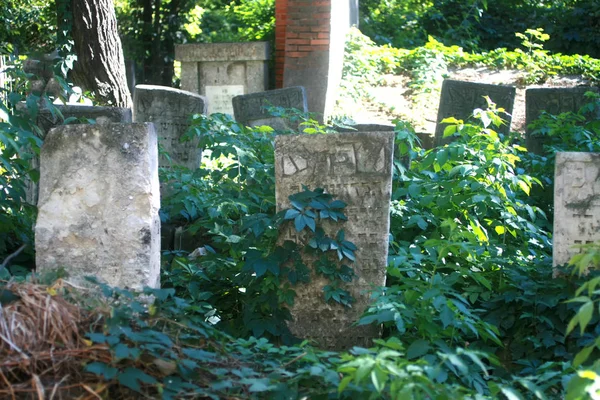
(221, 71)
(315, 36)
(99, 202)
(357, 169)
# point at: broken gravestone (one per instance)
(252, 109)
(576, 204)
(554, 101)
(459, 99)
(357, 169)
(170, 110)
(221, 71)
(99, 202)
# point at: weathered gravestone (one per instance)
(357, 169)
(576, 203)
(47, 119)
(98, 205)
(251, 109)
(170, 111)
(459, 99)
(553, 101)
(221, 71)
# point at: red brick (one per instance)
(323, 35)
(298, 41)
(296, 54)
(319, 41)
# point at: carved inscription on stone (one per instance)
(219, 98)
(357, 169)
(170, 111)
(251, 109)
(459, 99)
(553, 101)
(576, 203)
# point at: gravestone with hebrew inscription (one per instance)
(221, 71)
(170, 110)
(252, 109)
(99, 202)
(576, 203)
(357, 169)
(459, 99)
(554, 101)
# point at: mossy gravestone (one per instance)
(252, 109)
(459, 99)
(99, 202)
(576, 204)
(357, 169)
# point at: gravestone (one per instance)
(576, 203)
(221, 71)
(251, 109)
(459, 99)
(99, 202)
(357, 169)
(554, 101)
(47, 120)
(170, 111)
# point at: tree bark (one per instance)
(100, 66)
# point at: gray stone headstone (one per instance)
(576, 203)
(99, 202)
(554, 101)
(357, 169)
(251, 109)
(459, 99)
(47, 120)
(170, 110)
(221, 71)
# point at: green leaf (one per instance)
(418, 348)
(582, 356)
(291, 214)
(100, 368)
(585, 315)
(132, 377)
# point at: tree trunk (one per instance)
(100, 67)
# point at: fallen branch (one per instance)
(11, 256)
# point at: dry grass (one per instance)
(42, 345)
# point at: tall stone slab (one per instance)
(459, 99)
(99, 202)
(576, 203)
(554, 101)
(76, 114)
(170, 110)
(221, 71)
(357, 169)
(310, 46)
(251, 109)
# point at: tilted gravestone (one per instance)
(554, 101)
(252, 109)
(357, 169)
(459, 99)
(221, 71)
(47, 119)
(170, 111)
(99, 202)
(576, 203)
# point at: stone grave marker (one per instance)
(357, 169)
(251, 109)
(47, 120)
(221, 71)
(170, 110)
(99, 202)
(554, 101)
(459, 99)
(576, 203)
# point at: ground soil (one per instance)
(394, 99)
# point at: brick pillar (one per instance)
(313, 47)
(280, 36)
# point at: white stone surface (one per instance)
(576, 203)
(98, 204)
(220, 97)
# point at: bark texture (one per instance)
(100, 66)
